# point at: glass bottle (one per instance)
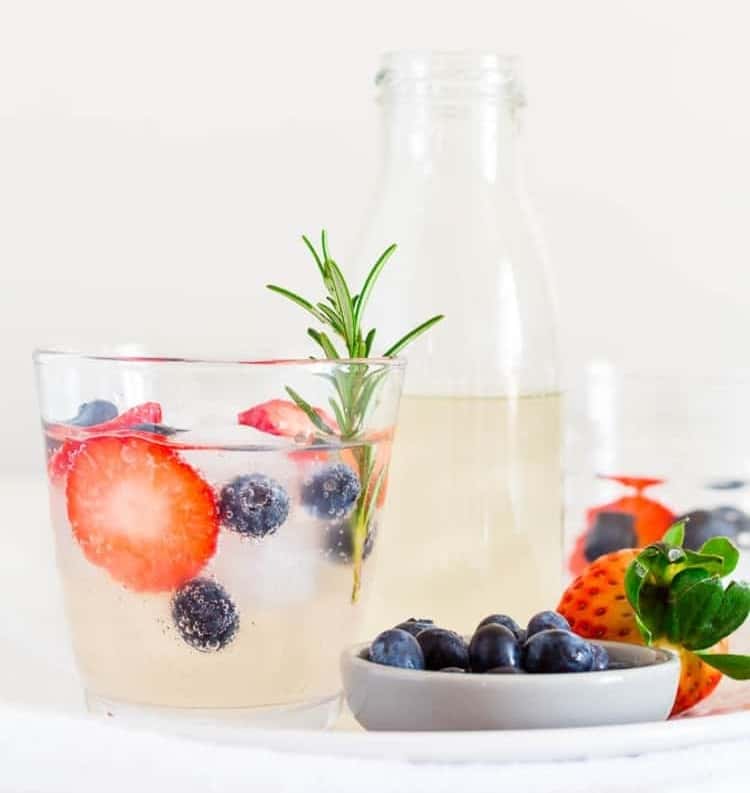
(475, 485)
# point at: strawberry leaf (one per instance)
(735, 666)
(675, 535)
(648, 637)
(733, 610)
(653, 609)
(695, 599)
(635, 575)
(725, 549)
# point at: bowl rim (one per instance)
(665, 659)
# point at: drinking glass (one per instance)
(643, 450)
(216, 524)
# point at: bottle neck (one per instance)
(450, 114)
(473, 140)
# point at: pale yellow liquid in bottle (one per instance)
(473, 520)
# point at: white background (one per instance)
(158, 161)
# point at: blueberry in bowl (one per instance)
(397, 648)
(416, 625)
(493, 646)
(508, 622)
(554, 651)
(546, 620)
(443, 648)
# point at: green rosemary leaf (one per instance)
(324, 342)
(337, 412)
(411, 335)
(368, 342)
(310, 411)
(369, 283)
(365, 402)
(333, 319)
(344, 300)
(375, 491)
(324, 245)
(312, 250)
(300, 301)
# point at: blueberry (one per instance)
(545, 620)
(415, 626)
(726, 484)
(396, 648)
(443, 648)
(555, 650)
(156, 429)
(253, 505)
(506, 670)
(204, 615)
(453, 669)
(601, 658)
(610, 532)
(332, 492)
(508, 622)
(95, 412)
(52, 445)
(337, 541)
(493, 645)
(703, 524)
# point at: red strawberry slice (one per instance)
(640, 483)
(652, 518)
(147, 413)
(284, 418)
(61, 459)
(141, 512)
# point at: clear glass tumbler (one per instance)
(214, 523)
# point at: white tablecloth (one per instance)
(47, 745)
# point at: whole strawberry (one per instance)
(667, 596)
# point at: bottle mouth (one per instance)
(449, 75)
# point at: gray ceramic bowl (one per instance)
(386, 698)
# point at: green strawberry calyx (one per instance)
(680, 597)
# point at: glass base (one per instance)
(314, 714)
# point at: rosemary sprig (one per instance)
(355, 383)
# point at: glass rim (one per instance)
(41, 354)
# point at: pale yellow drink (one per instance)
(474, 515)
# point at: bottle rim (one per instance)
(448, 74)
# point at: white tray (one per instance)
(39, 684)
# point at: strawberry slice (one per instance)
(146, 413)
(284, 418)
(141, 512)
(61, 459)
(652, 518)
